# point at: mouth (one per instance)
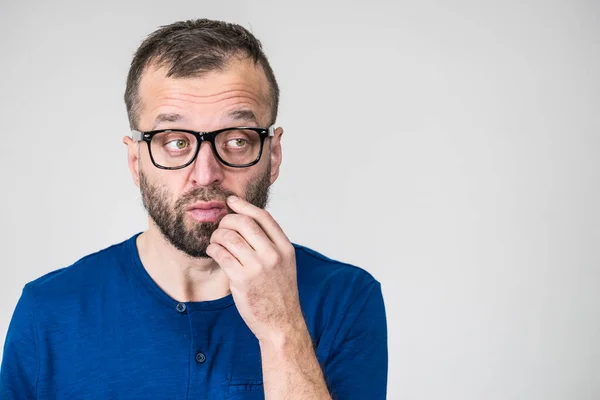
(207, 211)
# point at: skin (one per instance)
(249, 254)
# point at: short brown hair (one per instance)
(191, 48)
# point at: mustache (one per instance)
(209, 193)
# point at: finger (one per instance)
(235, 245)
(230, 265)
(249, 229)
(262, 217)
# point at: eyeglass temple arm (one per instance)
(136, 136)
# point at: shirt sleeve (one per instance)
(20, 361)
(358, 363)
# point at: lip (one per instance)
(206, 205)
(207, 212)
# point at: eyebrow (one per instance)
(243, 115)
(168, 117)
(238, 115)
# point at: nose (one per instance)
(206, 169)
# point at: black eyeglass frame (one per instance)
(147, 136)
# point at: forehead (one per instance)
(205, 99)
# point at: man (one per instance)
(212, 301)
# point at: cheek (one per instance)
(169, 185)
(173, 182)
(257, 178)
(236, 179)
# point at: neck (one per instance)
(180, 276)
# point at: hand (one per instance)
(260, 262)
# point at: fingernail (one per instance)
(232, 199)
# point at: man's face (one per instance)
(186, 205)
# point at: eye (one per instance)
(236, 143)
(178, 144)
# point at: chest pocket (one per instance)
(246, 380)
(245, 389)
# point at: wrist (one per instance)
(286, 338)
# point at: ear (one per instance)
(275, 154)
(133, 156)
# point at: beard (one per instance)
(193, 237)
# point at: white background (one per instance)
(449, 148)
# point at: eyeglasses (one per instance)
(236, 147)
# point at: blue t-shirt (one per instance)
(103, 329)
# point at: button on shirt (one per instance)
(200, 357)
(181, 307)
(103, 329)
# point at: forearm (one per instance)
(291, 369)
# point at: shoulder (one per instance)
(320, 271)
(80, 277)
